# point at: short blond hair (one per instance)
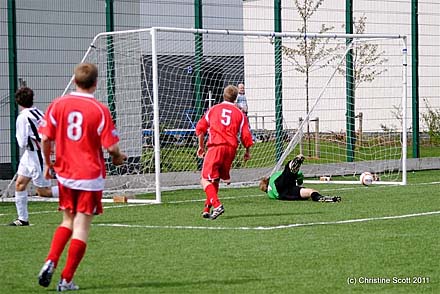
(86, 75)
(230, 93)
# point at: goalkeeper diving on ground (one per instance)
(287, 184)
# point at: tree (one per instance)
(432, 121)
(310, 54)
(367, 59)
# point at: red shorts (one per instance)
(87, 202)
(217, 162)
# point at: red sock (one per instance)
(77, 249)
(211, 195)
(216, 184)
(59, 241)
(208, 205)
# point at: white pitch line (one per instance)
(262, 228)
(201, 200)
(142, 204)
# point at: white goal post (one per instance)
(342, 102)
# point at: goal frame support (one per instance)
(279, 35)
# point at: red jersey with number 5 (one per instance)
(80, 126)
(224, 122)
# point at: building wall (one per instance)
(383, 17)
(52, 37)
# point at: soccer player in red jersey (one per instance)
(80, 126)
(223, 123)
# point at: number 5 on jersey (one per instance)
(226, 117)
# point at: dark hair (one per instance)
(86, 75)
(24, 97)
(230, 93)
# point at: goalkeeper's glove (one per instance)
(299, 178)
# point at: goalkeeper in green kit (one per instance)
(286, 184)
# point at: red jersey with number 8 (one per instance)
(80, 126)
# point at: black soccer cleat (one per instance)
(45, 275)
(330, 199)
(63, 285)
(19, 223)
(217, 212)
(206, 214)
(337, 198)
(295, 163)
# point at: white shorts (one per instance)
(30, 167)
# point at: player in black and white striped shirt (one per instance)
(31, 162)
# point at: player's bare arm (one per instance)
(118, 157)
(201, 149)
(46, 145)
(247, 154)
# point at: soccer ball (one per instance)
(366, 178)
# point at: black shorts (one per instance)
(291, 193)
(286, 186)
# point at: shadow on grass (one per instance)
(121, 221)
(224, 216)
(267, 214)
(171, 284)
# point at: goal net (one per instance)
(338, 99)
